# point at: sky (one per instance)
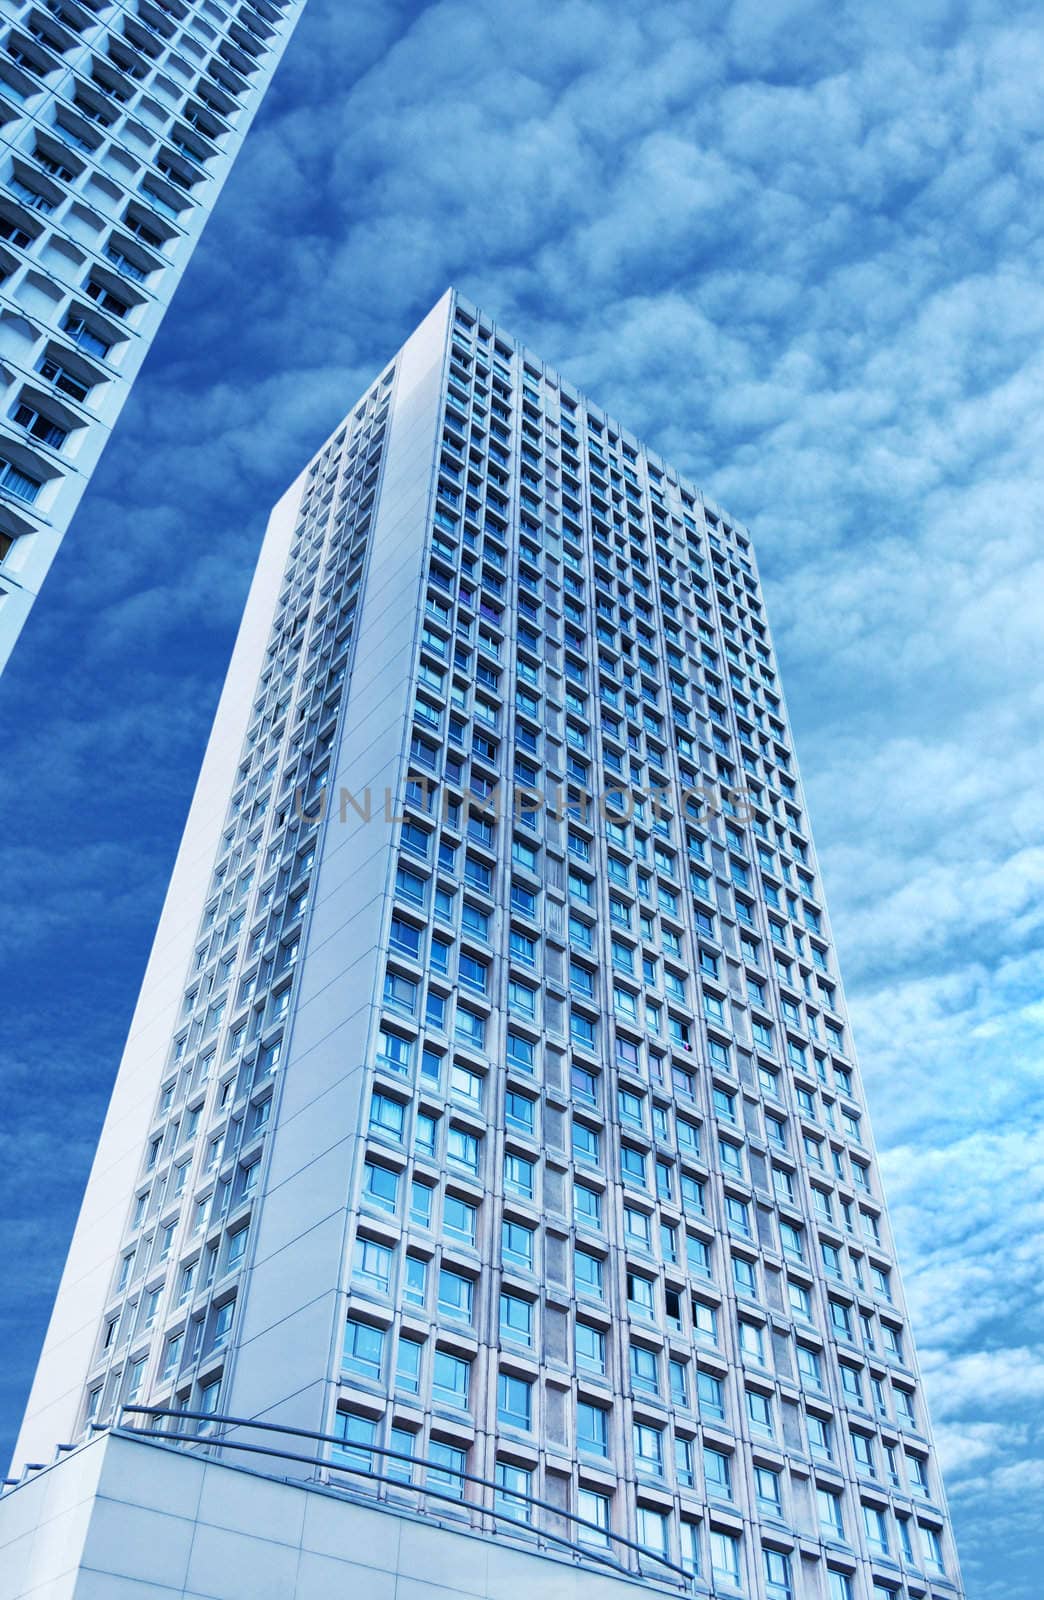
(798, 247)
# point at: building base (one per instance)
(133, 1519)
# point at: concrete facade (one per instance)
(491, 1097)
(125, 1520)
(119, 123)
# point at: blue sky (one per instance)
(797, 246)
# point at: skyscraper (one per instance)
(490, 1099)
(119, 121)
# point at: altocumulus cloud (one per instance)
(797, 245)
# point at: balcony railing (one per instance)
(404, 1482)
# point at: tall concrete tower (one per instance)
(490, 1112)
(119, 123)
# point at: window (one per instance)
(637, 1228)
(592, 1428)
(39, 426)
(777, 1575)
(690, 1547)
(420, 1203)
(582, 1031)
(415, 1284)
(717, 1472)
(851, 1382)
(135, 1381)
(106, 299)
(641, 1301)
(648, 1449)
(404, 1442)
(460, 1219)
(769, 1494)
(704, 1322)
(75, 326)
(462, 1149)
(840, 1318)
(512, 1484)
(583, 1084)
(819, 1437)
(684, 1467)
(593, 1511)
(589, 1346)
(451, 1379)
(519, 1111)
(759, 1410)
(371, 1265)
(653, 1529)
(799, 1300)
(585, 1143)
(446, 1468)
(516, 1319)
(632, 1167)
(209, 1395)
(731, 1156)
(518, 1176)
(520, 1051)
(587, 1205)
(387, 1117)
(831, 1513)
(744, 1276)
(725, 1555)
(381, 1186)
(407, 1366)
(456, 1296)
(517, 1247)
(223, 1325)
(405, 937)
(692, 1195)
(514, 1401)
(470, 1027)
(355, 1432)
(363, 1349)
(932, 1547)
(875, 1522)
(711, 1394)
(810, 1366)
(473, 974)
(588, 1273)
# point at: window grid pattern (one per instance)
(616, 1034)
(616, 1228)
(119, 120)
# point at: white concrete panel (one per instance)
(439, 1557)
(52, 1412)
(172, 1484)
(256, 1538)
(238, 1566)
(333, 1011)
(16, 1565)
(134, 1541)
(107, 1586)
(58, 1544)
(321, 1577)
(366, 1536)
(243, 1503)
